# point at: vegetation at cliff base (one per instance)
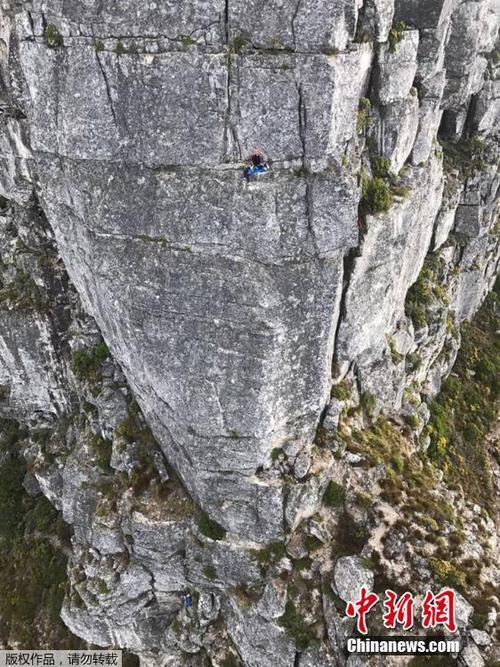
(381, 166)
(32, 563)
(21, 293)
(465, 412)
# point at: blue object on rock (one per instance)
(256, 170)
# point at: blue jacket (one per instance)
(256, 170)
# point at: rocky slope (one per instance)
(223, 384)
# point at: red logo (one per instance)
(399, 610)
(361, 607)
(436, 609)
(439, 610)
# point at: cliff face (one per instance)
(170, 334)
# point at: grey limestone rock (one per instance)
(396, 68)
(261, 643)
(470, 656)
(377, 18)
(474, 28)
(303, 26)
(463, 610)
(398, 130)
(350, 575)
(159, 545)
(394, 239)
(424, 13)
(429, 117)
(480, 637)
(272, 603)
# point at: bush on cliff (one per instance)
(376, 195)
(52, 37)
(210, 528)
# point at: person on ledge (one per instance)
(255, 165)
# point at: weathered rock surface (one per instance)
(272, 238)
(350, 575)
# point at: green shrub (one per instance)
(32, 570)
(364, 500)
(464, 413)
(98, 46)
(21, 293)
(210, 528)
(104, 588)
(340, 391)
(87, 364)
(368, 402)
(52, 37)
(420, 297)
(101, 450)
(369, 563)
(397, 463)
(381, 166)
(412, 420)
(276, 453)
(11, 493)
(43, 518)
(447, 573)
(363, 119)
(466, 156)
(311, 542)
(238, 43)
(133, 430)
(376, 196)
(293, 621)
(396, 356)
(334, 495)
(120, 48)
(396, 35)
(472, 434)
(210, 572)
(270, 554)
(302, 563)
(187, 41)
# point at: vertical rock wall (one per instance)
(205, 287)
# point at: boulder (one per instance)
(350, 575)
(470, 656)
